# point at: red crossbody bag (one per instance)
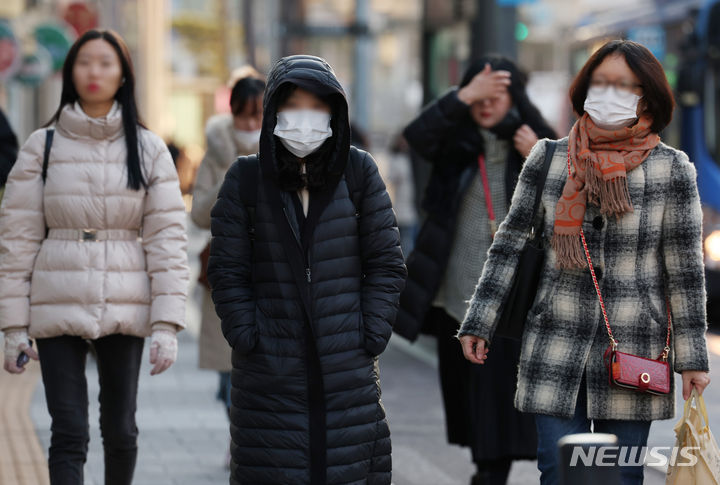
(630, 371)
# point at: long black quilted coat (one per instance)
(306, 327)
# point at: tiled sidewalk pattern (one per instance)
(21, 461)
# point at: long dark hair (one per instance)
(125, 96)
(246, 90)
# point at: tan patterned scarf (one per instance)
(600, 161)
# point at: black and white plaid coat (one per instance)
(637, 257)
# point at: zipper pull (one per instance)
(308, 274)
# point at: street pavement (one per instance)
(411, 393)
(184, 438)
(184, 431)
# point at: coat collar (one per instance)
(220, 134)
(75, 123)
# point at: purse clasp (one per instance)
(666, 352)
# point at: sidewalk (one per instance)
(183, 429)
(22, 461)
(411, 393)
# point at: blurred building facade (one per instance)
(390, 56)
(30, 100)
(560, 35)
(184, 51)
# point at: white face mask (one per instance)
(302, 131)
(247, 139)
(611, 109)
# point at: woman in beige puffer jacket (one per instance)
(133, 275)
(85, 256)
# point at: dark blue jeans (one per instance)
(62, 361)
(550, 429)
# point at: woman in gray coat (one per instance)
(636, 201)
(229, 135)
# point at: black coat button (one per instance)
(598, 223)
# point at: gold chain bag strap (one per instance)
(630, 371)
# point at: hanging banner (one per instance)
(57, 40)
(35, 67)
(10, 9)
(81, 17)
(653, 37)
(9, 52)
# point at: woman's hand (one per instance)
(486, 84)
(474, 348)
(524, 140)
(163, 350)
(694, 378)
(16, 342)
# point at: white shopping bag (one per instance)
(693, 430)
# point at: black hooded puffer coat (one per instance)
(306, 326)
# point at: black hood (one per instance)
(315, 75)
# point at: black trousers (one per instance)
(62, 361)
(478, 402)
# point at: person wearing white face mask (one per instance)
(228, 136)
(476, 138)
(612, 106)
(306, 270)
(302, 131)
(623, 276)
(92, 256)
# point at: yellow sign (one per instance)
(11, 8)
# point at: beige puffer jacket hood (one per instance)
(120, 283)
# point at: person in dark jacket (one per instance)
(8, 150)
(308, 303)
(476, 137)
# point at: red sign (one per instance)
(81, 16)
(9, 51)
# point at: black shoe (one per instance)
(478, 478)
(490, 477)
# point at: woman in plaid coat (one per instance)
(636, 200)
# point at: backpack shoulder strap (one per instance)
(49, 134)
(354, 176)
(248, 168)
(248, 171)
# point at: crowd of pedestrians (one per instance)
(309, 269)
